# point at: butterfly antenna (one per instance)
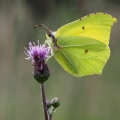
(47, 31)
(44, 27)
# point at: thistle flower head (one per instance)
(38, 54)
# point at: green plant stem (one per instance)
(50, 117)
(44, 101)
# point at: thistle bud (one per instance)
(55, 102)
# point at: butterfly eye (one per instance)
(49, 34)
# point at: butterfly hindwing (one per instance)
(81, 56)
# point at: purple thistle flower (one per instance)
(38, 54)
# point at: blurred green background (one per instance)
(94, 97)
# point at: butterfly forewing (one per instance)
(96, 26)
